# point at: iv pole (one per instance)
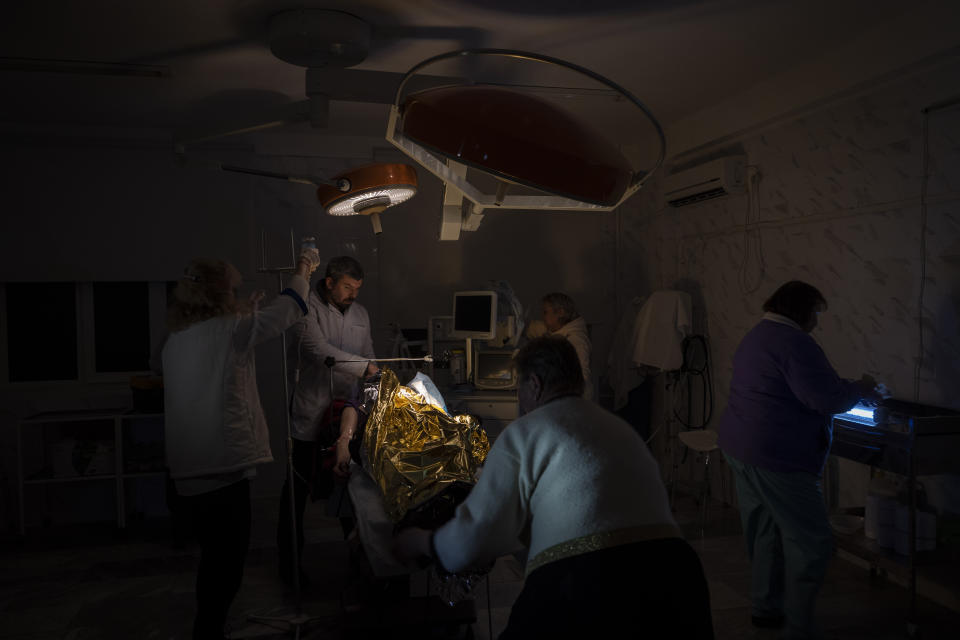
(298, 619)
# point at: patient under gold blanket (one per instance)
(420, 463)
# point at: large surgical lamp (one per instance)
(515, 138)
(367, 190)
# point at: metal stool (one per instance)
(703, 441)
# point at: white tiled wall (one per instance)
(840, 207)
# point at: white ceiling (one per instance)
(681, 57)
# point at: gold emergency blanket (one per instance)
(414, 450)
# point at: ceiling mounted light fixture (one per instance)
(366, 190)
(517, 139)
(369, 190)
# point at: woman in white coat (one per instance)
(560, 318)
(215, 430)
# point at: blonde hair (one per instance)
(203, 292)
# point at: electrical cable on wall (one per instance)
(924, 182)
(694, 347)
(691, 370)
(925, 178)
(752, 219)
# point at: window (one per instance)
(121, 326)
(86, 332)
(41, 331)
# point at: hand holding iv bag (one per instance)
(309, 253)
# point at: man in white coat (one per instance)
(337, 327)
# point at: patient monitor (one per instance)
(474, 315)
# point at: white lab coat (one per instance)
(325, 332)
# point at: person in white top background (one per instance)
(215, 430)
(577, 487)
(338, 327)
(560, 318)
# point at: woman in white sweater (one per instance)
(215, 431)
(560, 317)
(577, 486)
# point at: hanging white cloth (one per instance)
(662, 324)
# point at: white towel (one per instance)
(423, 385)
(662, 324)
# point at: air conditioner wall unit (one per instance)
(712, 179)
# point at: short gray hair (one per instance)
(563, 305)
(343, 266)
(554, 360)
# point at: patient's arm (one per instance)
(348, 429)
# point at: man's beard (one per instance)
(327, 296)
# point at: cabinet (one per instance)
(108, 451)
(495, 409)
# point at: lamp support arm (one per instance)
(342, 183)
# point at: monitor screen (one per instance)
(495, 370)
(475, 314)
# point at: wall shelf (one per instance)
(128, 445)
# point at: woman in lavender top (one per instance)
(776, 435)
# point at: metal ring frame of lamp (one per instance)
(449, 162)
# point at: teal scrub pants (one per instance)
(789, 542)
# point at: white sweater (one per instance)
(214, 425)
(567, 471)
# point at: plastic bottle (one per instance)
(878, 522)
(926, 522)
(307, 243)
